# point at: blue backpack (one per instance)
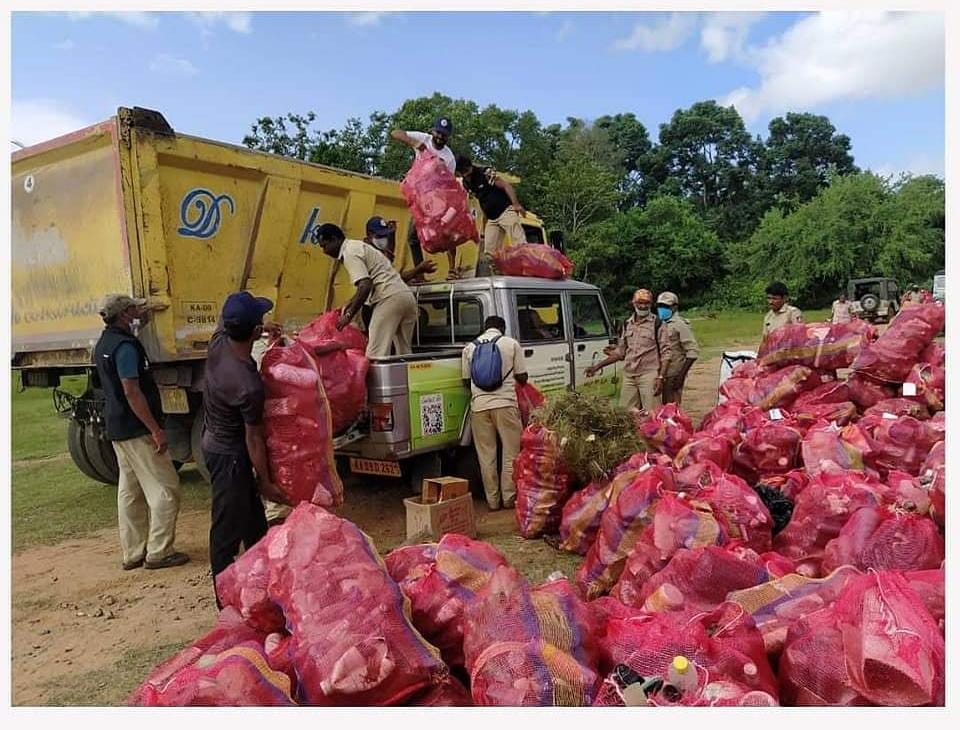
(486, 365)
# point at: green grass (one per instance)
(716, 332)
(51, 499)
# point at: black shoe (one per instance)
(171, 561)
(132, 565)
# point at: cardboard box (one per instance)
(441, 489)
(452, 515)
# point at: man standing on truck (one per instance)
(678, 349)
(779, 312)
(234, 444)
(639, 351)
(434, 143)
(394, 306)
(487, 364)
(148, 495)
(499, 203)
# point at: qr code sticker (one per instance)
(431, 414)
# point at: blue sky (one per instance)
(878, 76)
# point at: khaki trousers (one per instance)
(393, 321)
(148, 500)
(637, 391)
(507, 224)
(487, 426)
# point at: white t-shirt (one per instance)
(512, 363)
(445, 154)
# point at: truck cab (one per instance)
(418, 403)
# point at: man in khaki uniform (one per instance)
(639, 351)
(148, 496)
(841, 311)
(495, 414)
(678, 349)
(779, 313)
(379, 284)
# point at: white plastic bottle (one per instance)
(683, 675)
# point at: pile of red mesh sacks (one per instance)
(532, 259)
(438, 204)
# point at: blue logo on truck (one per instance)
(200, 215)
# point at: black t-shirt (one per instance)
(482, 183)
(232, 397)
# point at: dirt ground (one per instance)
(86, 632)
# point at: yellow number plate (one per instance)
(375, 467)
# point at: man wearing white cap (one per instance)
(678, 349)
(148, 495)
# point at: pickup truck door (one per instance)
(592, 332)
(541, 331)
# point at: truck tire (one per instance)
(78, 452)
(196, 446)
(101, 455)
(870, 303)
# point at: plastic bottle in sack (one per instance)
(666, 598)
(758, 699)
(683, 675)
(449, 215)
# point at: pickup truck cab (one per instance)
(419, 403)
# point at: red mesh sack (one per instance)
(894, 353)
(773, 448)
(696, 476)
(908, 493)
(678, 522)
(404, 561)
(583, 511)
(826, 446)
(725, 420)
(706, 447)
(836, 391)
(933, 475)
(878, 538)
(899, 407)
(900, 443)
(296, 416)
(746, 369)
(438, 204)
(778, 604)
(741, 513)
(934, 354)
(448, 693)
(352, 643)
(620, 528)
(816, 345)
(892, 646)
(820, 512)
(543, 484)
(724, 647)
(438, 590)
(528, 399)
(343, 372)
(930, 382)
(532, 259)
(781, 387)
(699, 580)
(738, 390)
(930, 588)
(867, 392)
(838, 413)
(789, 484)
(206, 673)
(667, 429)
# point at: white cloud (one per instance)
(37, 120)
(665, 34)
(565, 30)
(237, 22)
(136, 18)
(65, 45)
(168, 64)
(366, 20)
(921, 164)
(723, 34)
(844, 55)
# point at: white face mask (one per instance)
(135, 325)
(382, 243)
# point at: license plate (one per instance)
(375, 467)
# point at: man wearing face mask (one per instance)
(678, 349)
(148, 495)
(638, 349)
(434, 143)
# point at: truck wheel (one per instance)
(101, 455)
(78, 452)
(196, 446)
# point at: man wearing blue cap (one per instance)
(234, 446)
(434, 143)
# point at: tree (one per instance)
(801, 152)
(913, 247)
(630, 138)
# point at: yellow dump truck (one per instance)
(128, 205)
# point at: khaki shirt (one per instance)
(512, 363)
(677, 344)
(788, 314)
(366, 262)
(638, 346)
